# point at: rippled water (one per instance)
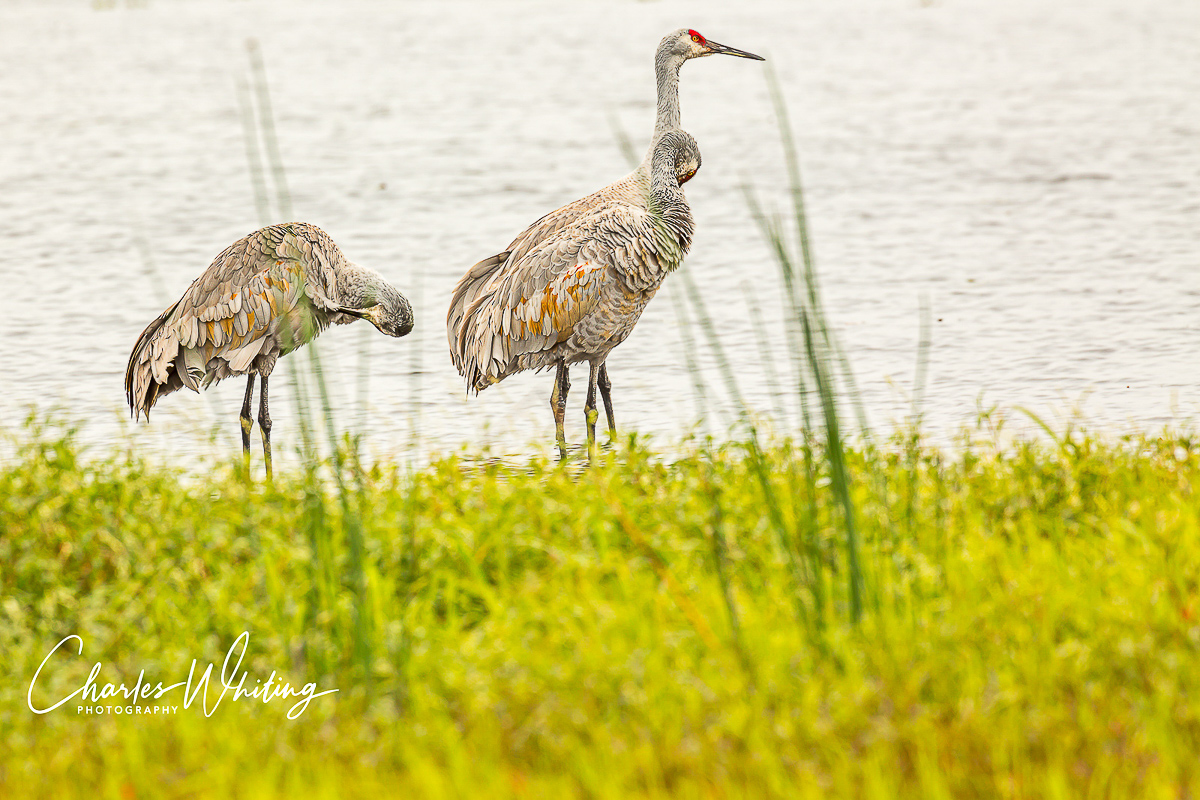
(1029, 169)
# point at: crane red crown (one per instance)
(699, 37)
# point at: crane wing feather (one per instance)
(553, 276)
(240, 307)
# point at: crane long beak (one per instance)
(724, 50)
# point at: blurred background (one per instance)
(1025, 171)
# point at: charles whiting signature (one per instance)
(93, 692)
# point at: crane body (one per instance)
(573, 285)
(267, 294)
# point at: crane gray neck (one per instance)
(359, 287)
(666, 70)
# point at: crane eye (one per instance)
(696, 39)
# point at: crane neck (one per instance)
(668, 204)
(666, 71)
(360, 287)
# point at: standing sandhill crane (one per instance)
(269, 293)
(571, 287)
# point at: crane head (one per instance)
(681, 148)
(393, 315)
(687, 161)
(690, 43)
(382, 305)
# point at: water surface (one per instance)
(1029, 171)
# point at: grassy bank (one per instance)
(1029, 624)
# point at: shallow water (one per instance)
(1029, 171)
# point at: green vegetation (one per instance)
(1029, 623)
(798, 618)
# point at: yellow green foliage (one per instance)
(1030, 624)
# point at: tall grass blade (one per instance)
(921, 373)
(766, 353)
(416, 366)
(250, 137)
(714, 343)
(758, 459)
(624, 143)
(362, 387)
(683, 324)
(266, 116)
(322, 600)
(820, 345)
(771, 230)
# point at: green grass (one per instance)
(1029, 623)
(808, 618)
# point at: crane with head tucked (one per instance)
(267, 294)
(572, 286)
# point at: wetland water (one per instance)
(1030, 170)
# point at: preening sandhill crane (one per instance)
(571, 287)
(269, 293)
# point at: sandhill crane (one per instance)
(269, 293)
(571, 287)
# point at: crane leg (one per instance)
(589, 408)
(264, 424)
(606, 393)
(247, 421)
(558, 404)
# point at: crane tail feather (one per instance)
(153, 348)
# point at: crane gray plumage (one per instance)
(269, 293)
(572, 286)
